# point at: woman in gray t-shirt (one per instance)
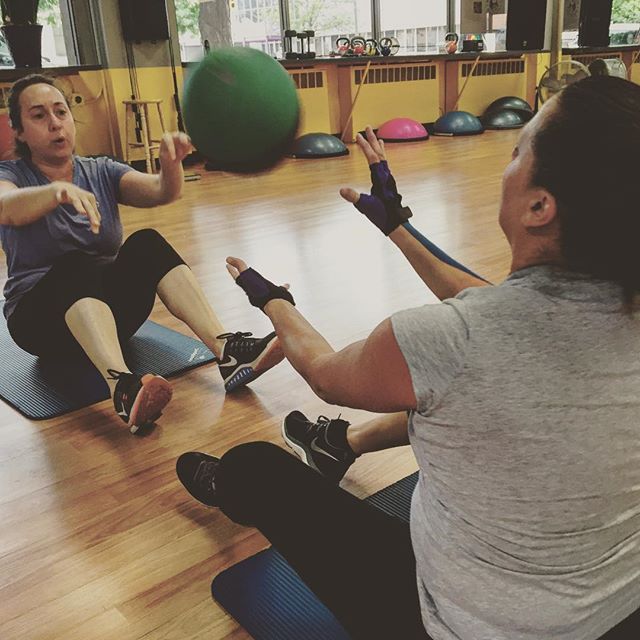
(73, 284)
(523, 403)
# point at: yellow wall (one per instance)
(383, 100)
(481, 91)
(544, 62)
(334, 99)
(89, 102)
(87, 95)
(315, 100)
(99, 112)
(154, 83)
(96, 103)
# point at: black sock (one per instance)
(336, 435)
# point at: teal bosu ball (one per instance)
(241, 109)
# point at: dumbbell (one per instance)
(308, 34)
(289, 53)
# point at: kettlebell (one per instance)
(371, 47)
(385, 46)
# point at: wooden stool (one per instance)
(149, 144)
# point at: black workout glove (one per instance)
(384, 206)
(259, 290)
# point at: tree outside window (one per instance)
(625, 22)
(250, 23)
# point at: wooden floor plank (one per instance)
(97, 538)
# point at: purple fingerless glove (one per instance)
(259, 290)
(384, 206)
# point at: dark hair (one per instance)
(15, 117)
(586, 156)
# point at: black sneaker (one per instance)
(244, 358)
(310, 441)
(197, 473)
(139, 400)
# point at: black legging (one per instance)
(127, 284)
(358, 560)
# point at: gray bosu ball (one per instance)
(318, 145)
(458, 123)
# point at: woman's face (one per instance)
(48, 128)
(518, 193)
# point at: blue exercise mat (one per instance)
(41, 389)
(267, 597)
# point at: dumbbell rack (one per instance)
(300, 37)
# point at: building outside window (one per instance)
(625, 22)
(257, 24)
(54, 51)
(330, 19)
(419, 27)
(247, 23)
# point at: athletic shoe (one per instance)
(139, 400)
(244, 358)
(312, 442)
(197, 473)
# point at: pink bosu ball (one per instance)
(402, 130)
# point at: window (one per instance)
(625, 22)
(570, 23)
(54, 50)
(488, 17)
(331, 19)
(68, 37)
(418, 27)
(257, 24)
(248, 23)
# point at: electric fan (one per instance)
(559, 76)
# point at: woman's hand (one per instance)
(84, 202)
(174, 148)
(259, 290)
(384, 206)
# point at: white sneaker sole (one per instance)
(249, 371)
(296, 448)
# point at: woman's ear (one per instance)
(542, 210)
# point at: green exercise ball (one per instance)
(241, 109)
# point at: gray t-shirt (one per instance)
(31, 249)
(526, 517)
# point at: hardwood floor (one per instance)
(98, 539)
